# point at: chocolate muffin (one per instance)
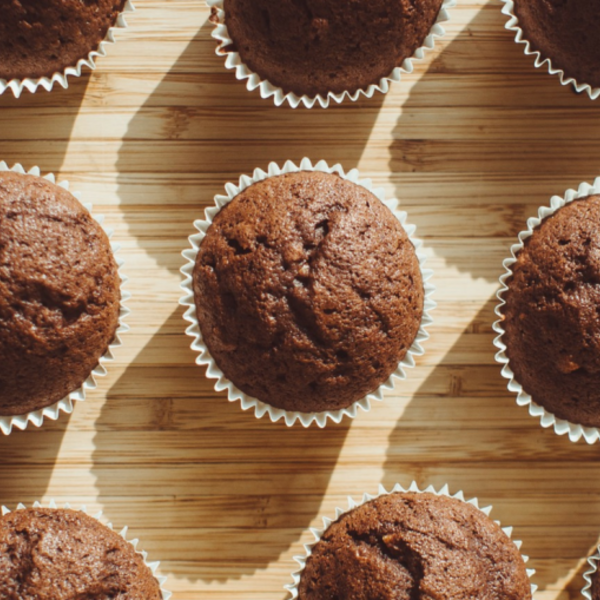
(408, 546)
(41, 37)
(552, 313)
(566, 32)
(56, 554)
(320, 46)
(308, 291)
(59, 293)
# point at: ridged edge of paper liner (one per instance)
(547, 419)
(66, 404)
(32, 84)
(234, 61)
(193, 330)
(292, 588)
(153, 566)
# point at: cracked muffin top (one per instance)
(318, 46)
(60, 554)
(59, 293)
(413, 546)
(308, 291)
(566, 32)
(41, 37)
(551, 317)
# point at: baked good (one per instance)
(565, 31)
(308, 291)
(412, 546)
(59, 293)
(595, 589)
(551, 318)
(41, 37)
(60, 554)
(323, 46)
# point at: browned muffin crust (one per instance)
(409, 546)
(595, 586)
(59, 293)
(59, 554)
(308, 291)
(318, 46)
(566, 32)
(41, 37)
(552, 313)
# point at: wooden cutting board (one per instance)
(471, 143)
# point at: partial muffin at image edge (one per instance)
(322, 47)
(551, 315)
(41, 37)
(308, 291)
(565, 32)
(59, 293)
(414, 545)
(64, 554)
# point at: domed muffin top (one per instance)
(41, 37)
(59, 293)
(409, 546)
(60, 554)
(318, 46)
(552, 313)
(308, 291)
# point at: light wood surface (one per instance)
(471, 143)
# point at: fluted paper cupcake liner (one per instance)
(16, 86)
(540, 61)
(234, 61)
(193, 330)
(153, 566)
(593, 561)
(52, 412)
(547, 419)
(292, 588)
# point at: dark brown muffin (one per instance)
(408, 546)
(308, 291)
(318, 46)
(566, 32)
(56, 554)
(41, 37)
(552, 313)
(595, 590)
(59, 293)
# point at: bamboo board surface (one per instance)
(471, 143)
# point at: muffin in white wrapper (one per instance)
(547, 419)
(593, 561)
(542, 61)
(16, 86)
(153, 566)
(268, 90)
(66, 404)
(204, 357)
(292, 588)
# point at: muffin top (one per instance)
(60, 554)
(565, 31)
(409, 546)
(41, 37)
(319, 46)
(59, 293)
(552, 313)
(308, 291)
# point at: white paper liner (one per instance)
(153, 566)
(513, 25)
(292, 588)
(547, 419)
(586, 592)
(193, 330)
(18, 85)
(267, 90)
(65, 405)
